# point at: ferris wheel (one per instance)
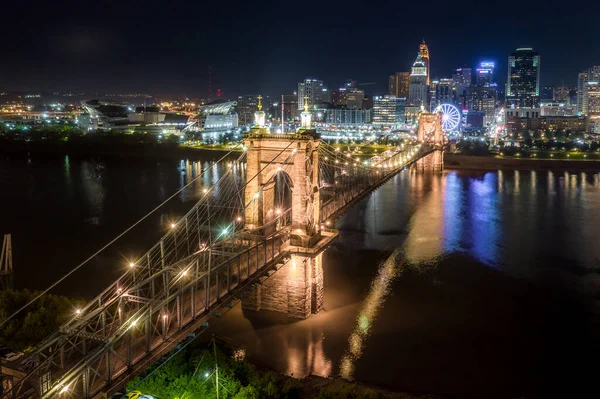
(450, 116)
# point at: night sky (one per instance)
(262, 47)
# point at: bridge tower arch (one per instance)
(430, 125)
(296, 289)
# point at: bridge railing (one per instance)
(346, 181)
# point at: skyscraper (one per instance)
(442, 92)
(417, 94)
(312, 91)
(398, 84)
(485, 73)
(482, 99)
(561, 94)
(388, 110)
(424, 51)
(461, 79)
(523, 86)
(588, 97)
(590, 75)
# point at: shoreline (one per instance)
(472, 162)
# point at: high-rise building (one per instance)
(482, 99)
(593, 105)
(354, 98)
(311, 91)
(485, 73)
(561, 94)
(417, 91)
(523, 85)
(339, 97)
(424, 51)
(463, 76)
(290, 106)
(247, 105)
(388, 110)
(590, 75)
(398, 84)
(461, 79)
(441, 92)
(546, 93)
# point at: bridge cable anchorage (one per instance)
(90, 321)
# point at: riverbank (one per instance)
(469, 162)
(196, 371)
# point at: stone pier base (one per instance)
(433, 162)
(296, 289)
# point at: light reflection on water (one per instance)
(488, 241)
(380, 288)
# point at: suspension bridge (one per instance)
(269, 215)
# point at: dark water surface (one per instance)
(494, 291)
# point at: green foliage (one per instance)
(191, 374)
(41, 319)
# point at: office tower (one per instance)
(388, 110)
(482, 99)
(485, 73)
(354, 98)
(339, 97)
(523, 85)
(311, 91)
(441, 92)
(546, 93)
(417, 91)
(561, 94)
(398, 84)
(590, 75)
(461, 79)
(247, 105)
(424, 51)
(290, 106)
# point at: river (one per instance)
(462, 284)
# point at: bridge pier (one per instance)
(295, 289)
(433, 162)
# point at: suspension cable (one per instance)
(44, 292)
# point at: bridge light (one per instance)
(77, 311)
(64, 389)
(131, 264)
(278, 211)
(239, 218)
(184, 273)
(172, 225)
(206, 374)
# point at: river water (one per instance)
(462, 284)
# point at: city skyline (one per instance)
(82, 49)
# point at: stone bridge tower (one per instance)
(297, 288)
(430, 133)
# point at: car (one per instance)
(135, 394)
(132, 395)
(12, 356)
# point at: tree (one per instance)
(42, 318)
